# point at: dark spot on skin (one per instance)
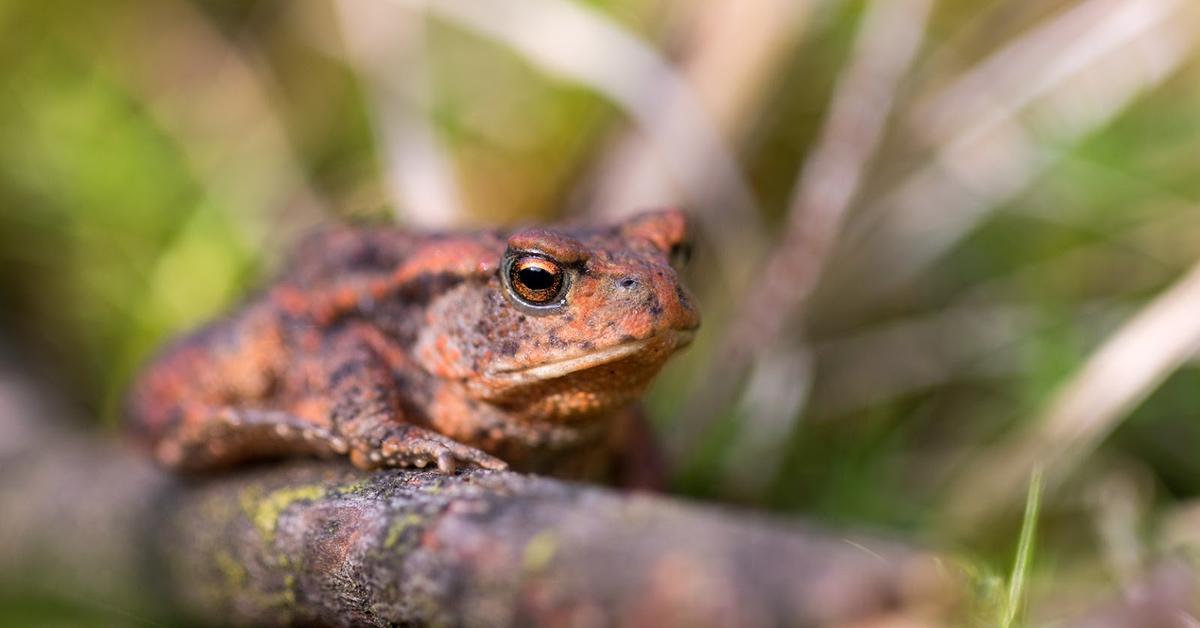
(508, 348)
(587, 345)
(344, 371)
(627, 338)
(652, 305)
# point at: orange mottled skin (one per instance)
(401, 348)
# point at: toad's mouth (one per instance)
(665, 343)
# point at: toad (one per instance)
(401, 348)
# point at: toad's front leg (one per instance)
(364, 410)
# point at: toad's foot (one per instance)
(411, 446)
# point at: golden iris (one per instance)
(536, 280)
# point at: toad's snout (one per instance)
(658, 295)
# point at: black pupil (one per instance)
(536, 278)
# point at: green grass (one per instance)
(1018, 579)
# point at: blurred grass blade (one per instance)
(832, 174)
(212, 98)
(985, 331)
(1036, 64)
(1020, 570)
(1118, 376)
(582, 45)
(419, 173)
(1077, 88)
(731, 52)
(889, 36)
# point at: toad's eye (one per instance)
(535, 280)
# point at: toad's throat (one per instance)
(662, 344)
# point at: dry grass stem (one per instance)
(987, 158)
(730, 51)
(888, 39)
(387, 46)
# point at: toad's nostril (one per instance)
(628, 283)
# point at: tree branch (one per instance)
(312, 542)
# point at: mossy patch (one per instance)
(540, 550)
(353, 488)
(288, 597)
(264, 511)
(398, 527)
(231, 569)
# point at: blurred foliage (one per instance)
(118, 226)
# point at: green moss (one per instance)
(352, 489)
(234, 572)
(398, 527)
(249, 498)
(540, 550)
(264, 511)
(288, 597)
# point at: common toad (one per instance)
(402, 348)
